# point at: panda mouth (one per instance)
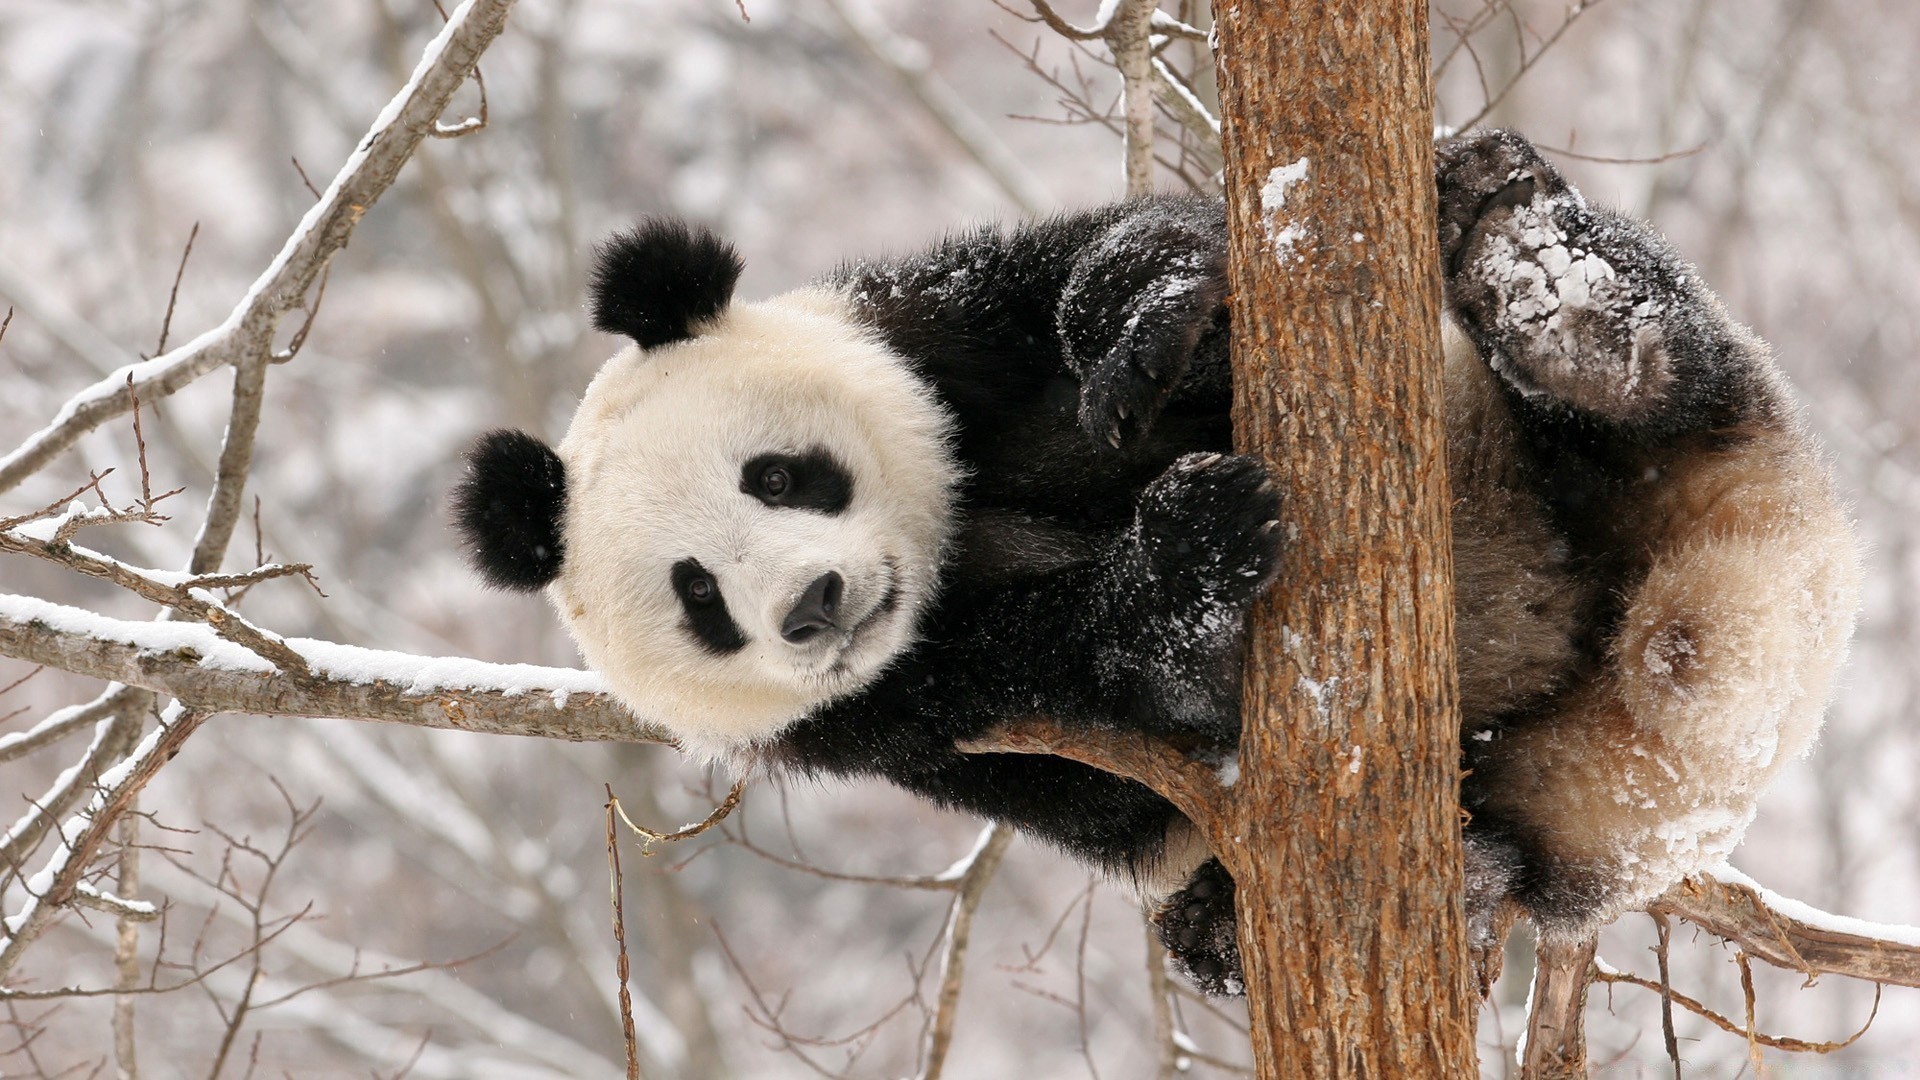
(889, 603)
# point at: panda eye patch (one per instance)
(706, 610)
(809, 480)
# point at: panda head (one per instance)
(749, 511)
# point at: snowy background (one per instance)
(1771, 140)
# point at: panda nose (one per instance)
(815, 610)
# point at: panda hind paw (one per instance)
(1197, 929)
(1209, 525)
(1483, 177)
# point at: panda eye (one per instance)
(808, 480)
(706, 611)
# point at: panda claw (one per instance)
(1122, 410)
(1113, 437)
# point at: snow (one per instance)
(1229, 771)
(1908, 936)
(1282, 235)
(344, 663)
(965, 862)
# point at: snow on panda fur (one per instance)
(842, 529)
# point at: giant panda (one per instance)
(841, 530)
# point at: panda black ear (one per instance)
(509, 508)
(658, 280)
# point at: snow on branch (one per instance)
(248, 332)
(194, 665)
(1789, 934)
(81, 836)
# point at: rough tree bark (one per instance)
(1343, 830)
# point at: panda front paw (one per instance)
(1566, 302)
(1197, 929)
(1123, 391)
(1209, 526)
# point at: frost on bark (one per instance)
(1345, 840)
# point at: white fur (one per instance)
(653, 460)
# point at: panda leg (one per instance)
(1714, 680)
(1205, 544)
(1577, 307)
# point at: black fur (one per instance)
(811, 480)
(707, 618)
(509, 508)
(658, 281)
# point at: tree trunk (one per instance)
(1346, 838)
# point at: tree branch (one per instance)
(191, 664)
(1792, 935)
(1193, 786)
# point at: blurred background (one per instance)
(1772, 140)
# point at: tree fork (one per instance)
(1343, 830)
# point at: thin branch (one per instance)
(1776, 1042)
(1128, 38)
(649, 837)
(1528, 60)
(472, 123)
(56, 727)
(83, 835)
(126, 945)
(1660, 952)
(173, 295)
(179, 594)
(620, 936)
(248, 330)
(981, 867)
(906, 60)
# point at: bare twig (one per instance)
(1127, 38)
(126, 946)
(1776, 1042)
(173, 294)
(1672, 155)
(57, 726)
(472, 123)
(1529, 59)
(906, 61)
(649, 837)
(1664, 930)
(180, 595)
(620, 937)
(1191, 785)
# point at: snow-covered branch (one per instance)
(1789, 934)
(54, 885)
(195, 666)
